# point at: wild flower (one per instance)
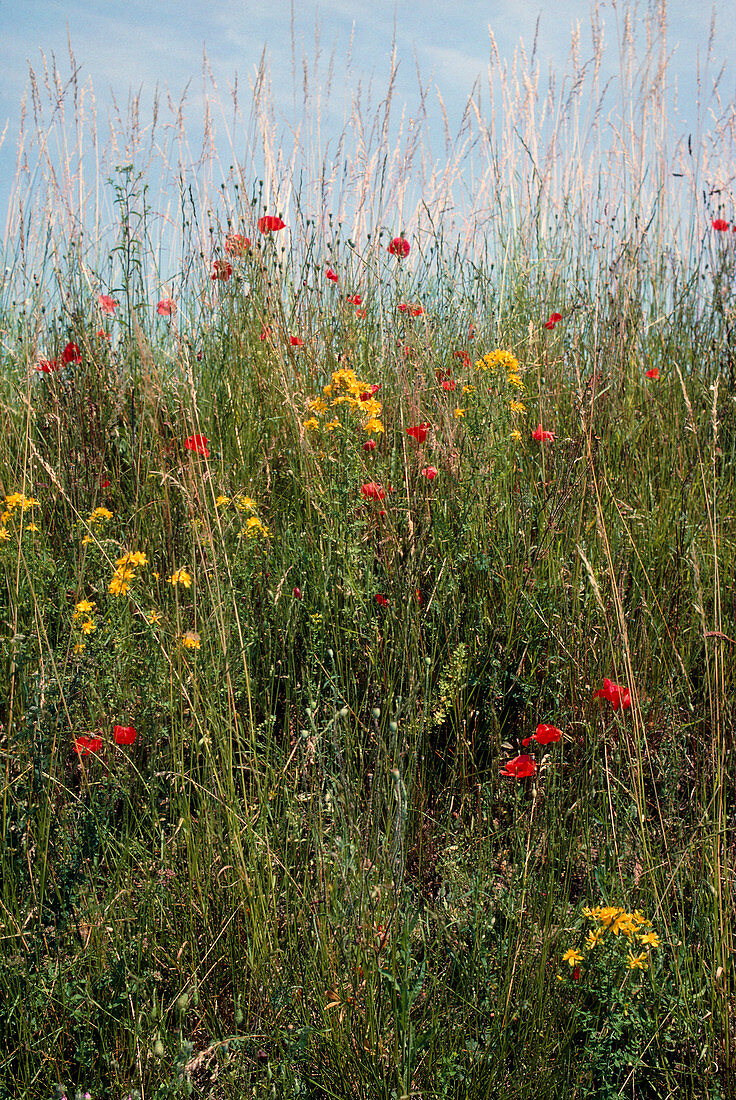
(500, 358)
(124, 735)
(521, 767)
(516, 435)
(542, 436)
(354, 300)
(369, 445)
(545, 735)
(331, 275)
(181, 577)
(372, 491)
(198, 444)
(572, 957)
(221, 270)
(153, 617)
(517, 407)
(381, 600)
(720, 225)
(106, 303)
(430, 472)
(47, 366)
(459, 414)
(191, 640)
(99, 516)
(270, 223)
(418, 431)
(296, 341)
(637, 962)
(653, 372)
(619, 697)
(166, 307)
(85, 745)
(555, 318)
(253, 526)
(236, 244)
(400, 247)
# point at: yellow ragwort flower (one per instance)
(134, 559)
(222, 501)
(88, 626)
(311, 425)
(517, 406)
(84, 607)
(516, 435)
(181, 577)
(515, 380)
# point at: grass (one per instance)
(306, 876)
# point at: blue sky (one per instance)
(139, 46)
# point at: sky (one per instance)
(139, 47)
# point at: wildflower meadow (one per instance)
(367, 606)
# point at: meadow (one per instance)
(367, 608)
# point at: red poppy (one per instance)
(47, 366)
(297, 593)
(83, 746)
(105, 483)
(653, 372)
(124, 735)
(267, 333)
(555, 317)
(369, 393)
(372, 491)
(521, 767)
(360, 314)
(419, 431)
(542, 436)
(222, 270)
(102, 335)
(166, 307)
(354, 300)
(619, 697)
(369, 445)
(576, 973)
(71, 354)
(269, 223)
(198, 444)
(236, 244)
(296, 341)
(417, 311)
(464, 358)
(107, 304)
(399, 247)
(403, 307)
(331, 275)
(448, 385)
(545, 735)
(430, 472)
(381, 600)
(719, 225)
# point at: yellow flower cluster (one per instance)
(501, 360)
(12, 502)
(124, 573)
(612, 919)
(345, 388)
(99, 516)
(180, 576)
(83, 610)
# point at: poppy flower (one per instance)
(267, 333)
(47, 366)
(71, 354)
(269, 223)
(542, 436)
(296, 341)
(653, 372)
(354, 300)
(372, 491)
(464, 358)
(331, 275)
(124, 735)
(297, 593)
(545, 735)
(521, 767)
(222, 270)
(83, 746)
(419, 431)
(166, 307)
(555, 317)
(430, 472)
(720, 225)
(417, 311)
(360, 314)
(619, 697)
(403, 307)
(369, 445)
(107, 304)
(102, 335)
(369, 393)
(381, 600)
(399, 246)
(236, 244)
(448, 384)
(198, 444)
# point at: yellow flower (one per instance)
(498, 358)
(311, 425)
(191, 640)
(86, 540)
(4, 534)
(650, 939)
(5, 517)
(373, 425)
(135, 559)
(245, 504)
(181, 577)
(468, 389)
(459, 413)
(332, 424)
(119, 585)
(88, 627)
(594, 938)
(33, 527)
(637, 962)
(572, 957)
(517, 406)
(254, 526)
(222, 501)
(84, 607)
(516, 435)
(154, 617)
(317, 405)
(100, 515)
(515, 380)
(78, 647)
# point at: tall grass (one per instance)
(306, 876)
